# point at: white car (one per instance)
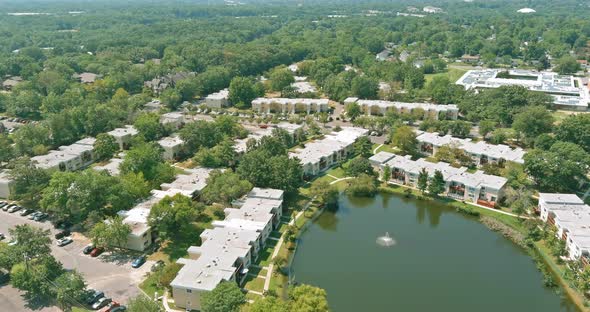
(64, 241)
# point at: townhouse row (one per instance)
(290, 106)
(480, 152)
(318, 156)
(190, 183)
(571, 218)
(477, 187)
(229, 248)
(430, 111)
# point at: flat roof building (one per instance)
(218, 99)
(319, 155)
(123, 136)
(481, 152)
(68, 158)
(568, 92)
(173, 119)
(172, 146)
(240, 145)
(291, 106)
(434, 111)
(112, 166)
(6, 184)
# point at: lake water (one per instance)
(442, 261)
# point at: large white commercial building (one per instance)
(290, 106)
(227, 250)
(481, 152)
(124, 135)
(568, 92)
(571, 218)
(320, 155)
(67, 158)
(478, 187)
(432, 111)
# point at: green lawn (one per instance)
(150, 286)
(452, 73)
(254, 283)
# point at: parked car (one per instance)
(101, 303)
(34, 214)
(2, 236)
(14, 209)
(5, 208)
(3, 203)
(119, 309)
(40, 217)
(26, 212)
(96, 252)
(88, 249)
(139, 261)
(93, 295)
(62, 234)
(64, 241)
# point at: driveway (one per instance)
(111, 273)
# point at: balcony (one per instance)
(486, 203)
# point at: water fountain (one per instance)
(385, 240)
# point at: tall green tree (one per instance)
(423, 180)
(142, 303)
(105, 146)
(225, 297)
(172, 215)
(363, 146)
(437, 184)
(280, 78)
(224, 187)
(111, 233)
(242, 92)
(404, 138)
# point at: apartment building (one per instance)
(431, 111)
(172, 146)
(68, 158)
(290, 106)
(218, 99)
(123, 136)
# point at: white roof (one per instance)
(526, 10)
(381, 157)
(112, 167)
(403, 105)
(303, 87)
(190, 182)
(285, 101)
(314, 151)
(479, 179)
(240, 144)
(171, 141)
(478, 148)
(64, 154)
(201, 274)
(267, 193)
(121, 132)
(559, 198)
(221, 95)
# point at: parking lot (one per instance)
(110, 272)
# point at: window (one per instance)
(189, 291)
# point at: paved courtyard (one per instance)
(111, 273)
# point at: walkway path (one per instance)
(376, 148)
(278, 247)
(165, 303)
(341, 179)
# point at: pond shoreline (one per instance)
(509, 223)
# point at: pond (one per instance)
(442, 261)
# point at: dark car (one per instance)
(139, 261)
(62, 234)
(88, 249)
(96, 252)
(5, 276)
(119, 309)
(40, 217)
(93, 296)
(2, 237)
(26, 212)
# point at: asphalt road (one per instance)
(111, 273)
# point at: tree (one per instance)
(172, 215)
(324, 118)
(386, 173)
(363, 185)
(142, 303)
(222, 155)
(533, 121)
(363, 147)
(225, 297)
(270, 304)
(281, 78)
(146, 158)
(364, 87)
(437, 184)
(265, 169)
(149, 127)
(443, 91)
(36, 277)
(69, 289)
(558, 169)
(575, 129)
(567, 65)
(353, 110)
(224, 187)
(32, 242)
(201, 134)
(358, 166)
(28, 180)
(404, 138)
(544, 141)
(111, 233)
(423, 180)
(308, 298)
(324, 193)
(172, 98)
(105, 146)
(241, 92)
(486, 126)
